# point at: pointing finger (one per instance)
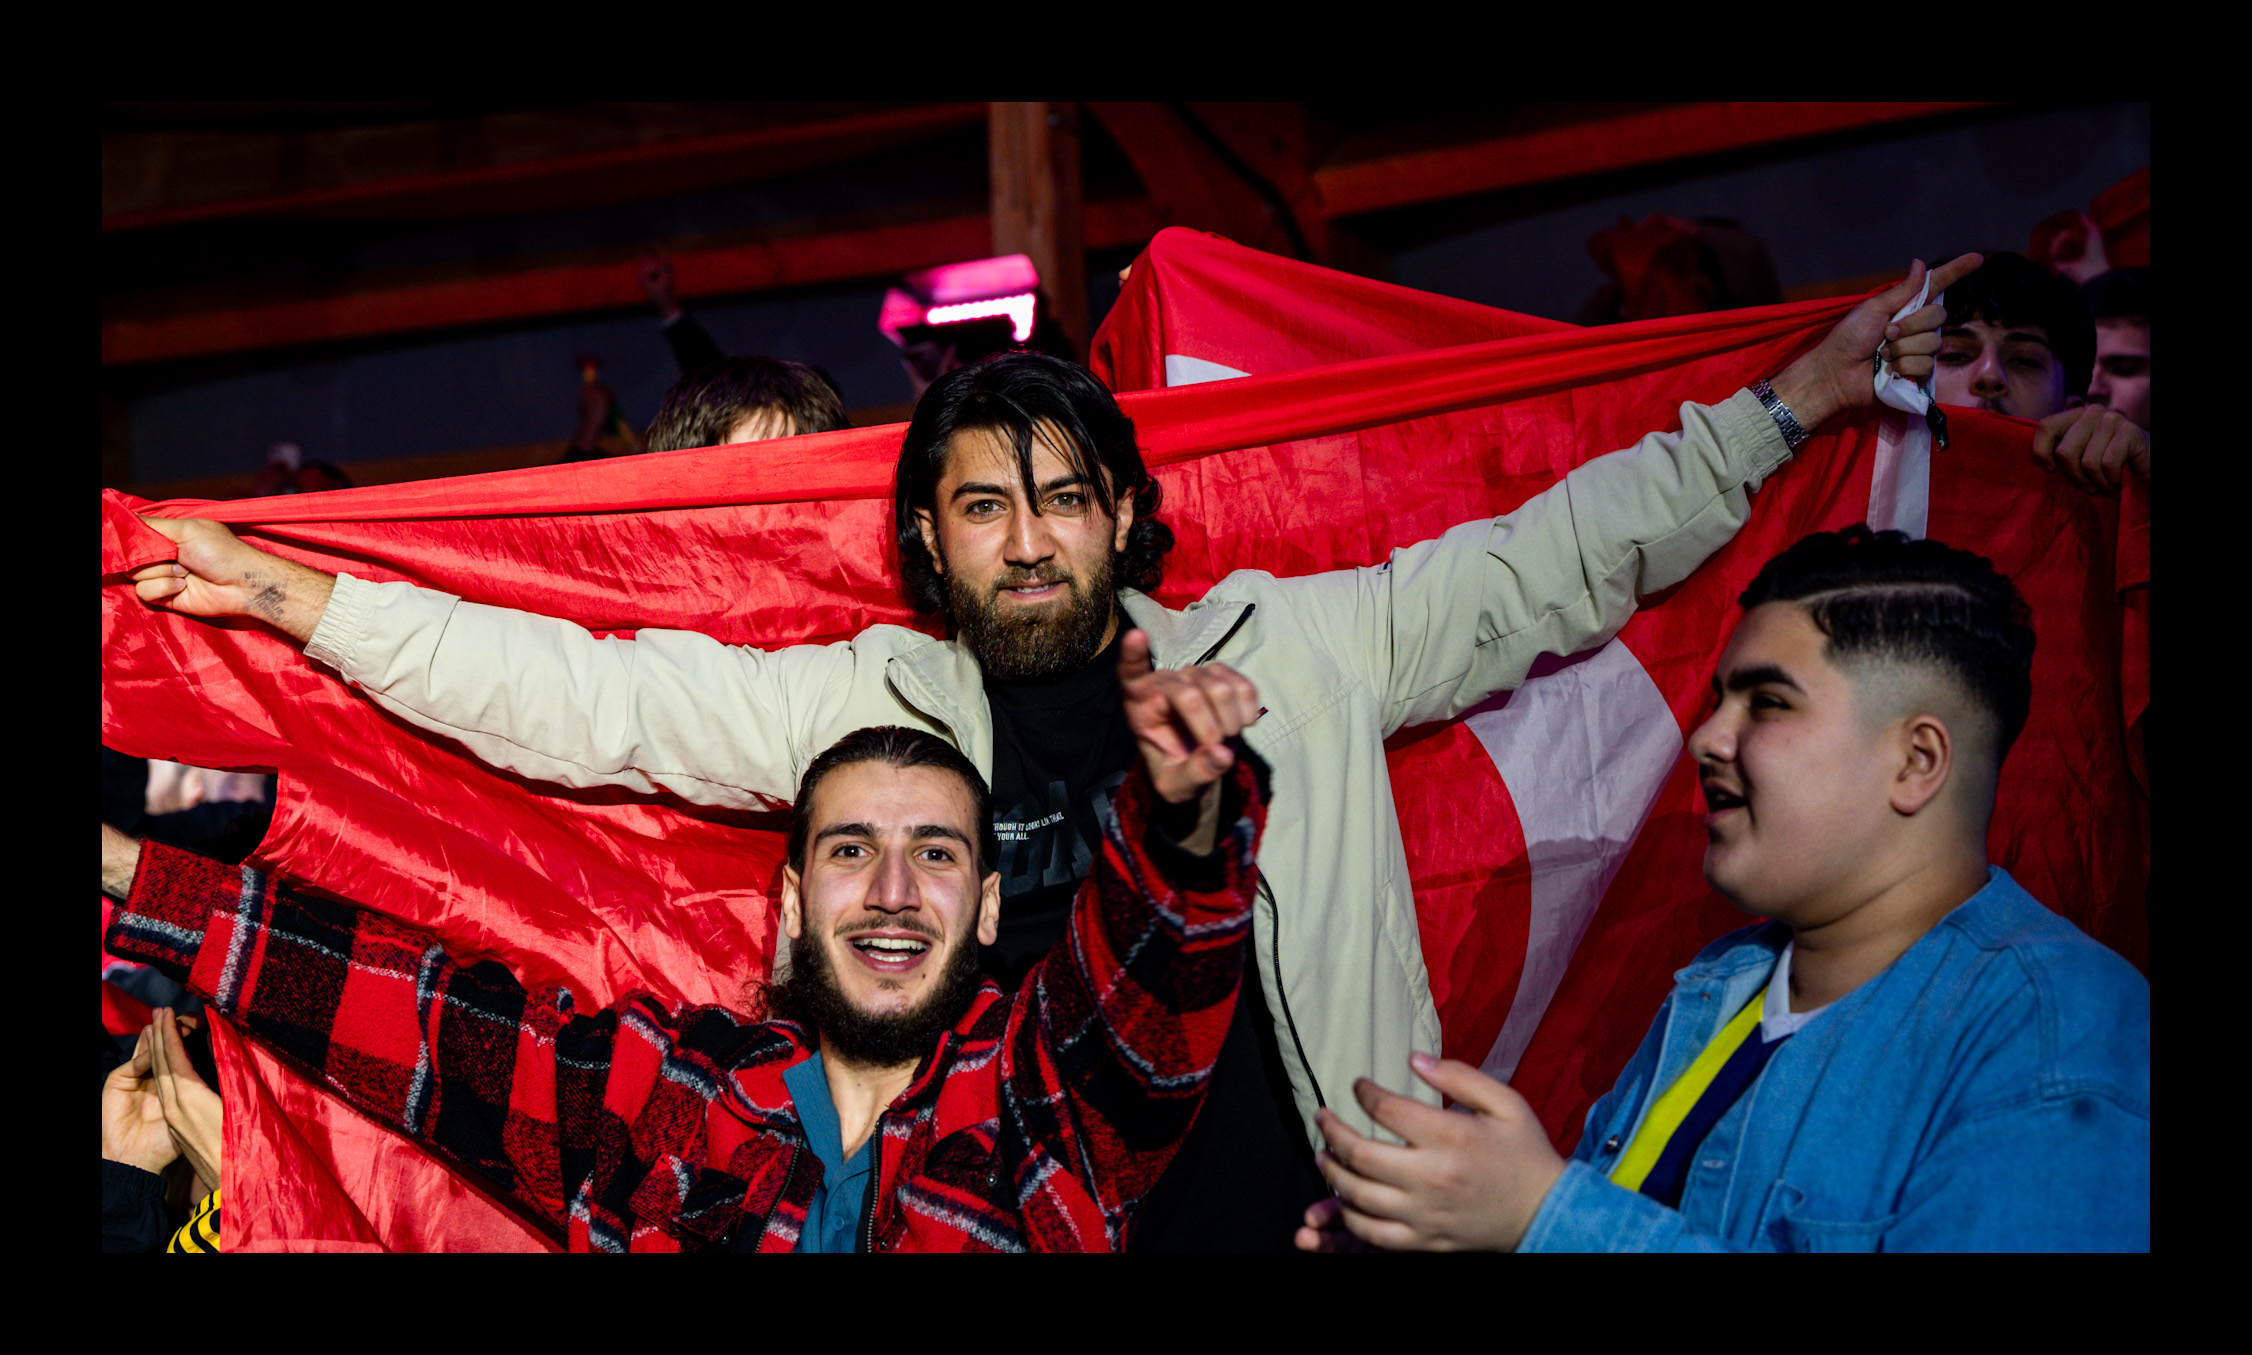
(1193, 711)
(1133, 656)
(1904, 291)
(1955, 270)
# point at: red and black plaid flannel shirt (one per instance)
(1039, 1123)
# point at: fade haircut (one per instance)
(1013, 395)
(2010, 289)
(703, 407)
(893, 746)
(1882, 597)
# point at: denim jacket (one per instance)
(1989, 1091)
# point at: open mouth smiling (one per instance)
(890, 952)
(1032, 590)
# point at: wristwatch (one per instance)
(1794, 436)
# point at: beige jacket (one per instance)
(1341, 661)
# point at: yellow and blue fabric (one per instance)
(201, 1232)
(1656, 1163)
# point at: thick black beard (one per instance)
(812, 998)
(1022, 649)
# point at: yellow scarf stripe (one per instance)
(1669, 1110)
(201, 1232)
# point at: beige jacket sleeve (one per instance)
(669, 710)
(1444, 624)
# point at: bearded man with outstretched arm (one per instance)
(1024, 514)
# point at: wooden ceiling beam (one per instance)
(557, 182)
(1627, 141)
(1187, 180)
(538, 293)
(1038, 206)
(1274, 142)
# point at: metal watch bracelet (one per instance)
(1794, 435)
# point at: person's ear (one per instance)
(989, 909)
(1124, 506)
(929, 528)
(793, 909)
(1927, 758)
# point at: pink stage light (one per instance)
(1018, 308)
(971, 290)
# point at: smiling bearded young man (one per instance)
(1024, 515)
(1912, 1054)
(901, 1102)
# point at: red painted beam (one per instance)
(623, 173)
(1621, 142)
(572, 288)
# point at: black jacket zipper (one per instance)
(1248, 609)
(1267, 892)
(1289, 1022)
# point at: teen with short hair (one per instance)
(1909, 1054)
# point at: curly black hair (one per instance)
(1013, 394)
(2010, 289)
(1888, 597)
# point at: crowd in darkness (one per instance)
(2053, 334)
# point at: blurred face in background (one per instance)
(2122, 379)
(2006, 368)
(762, 425)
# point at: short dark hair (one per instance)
(894, 746)
(2010, 289)
(2121, 294)
(1012, 394)
(1886, 597)
(703, 407)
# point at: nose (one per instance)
(893, 889)
(1714, 742)
(1030, 542)
(2099, 388)
(1986, 374)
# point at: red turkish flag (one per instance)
(1372, 417)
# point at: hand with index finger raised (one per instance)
(1183, 718)
(1834, 376)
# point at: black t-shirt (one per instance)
(1061, 748)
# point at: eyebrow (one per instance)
(918, 833)
(1758, 675)
(980, 487)
(2010, 336)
